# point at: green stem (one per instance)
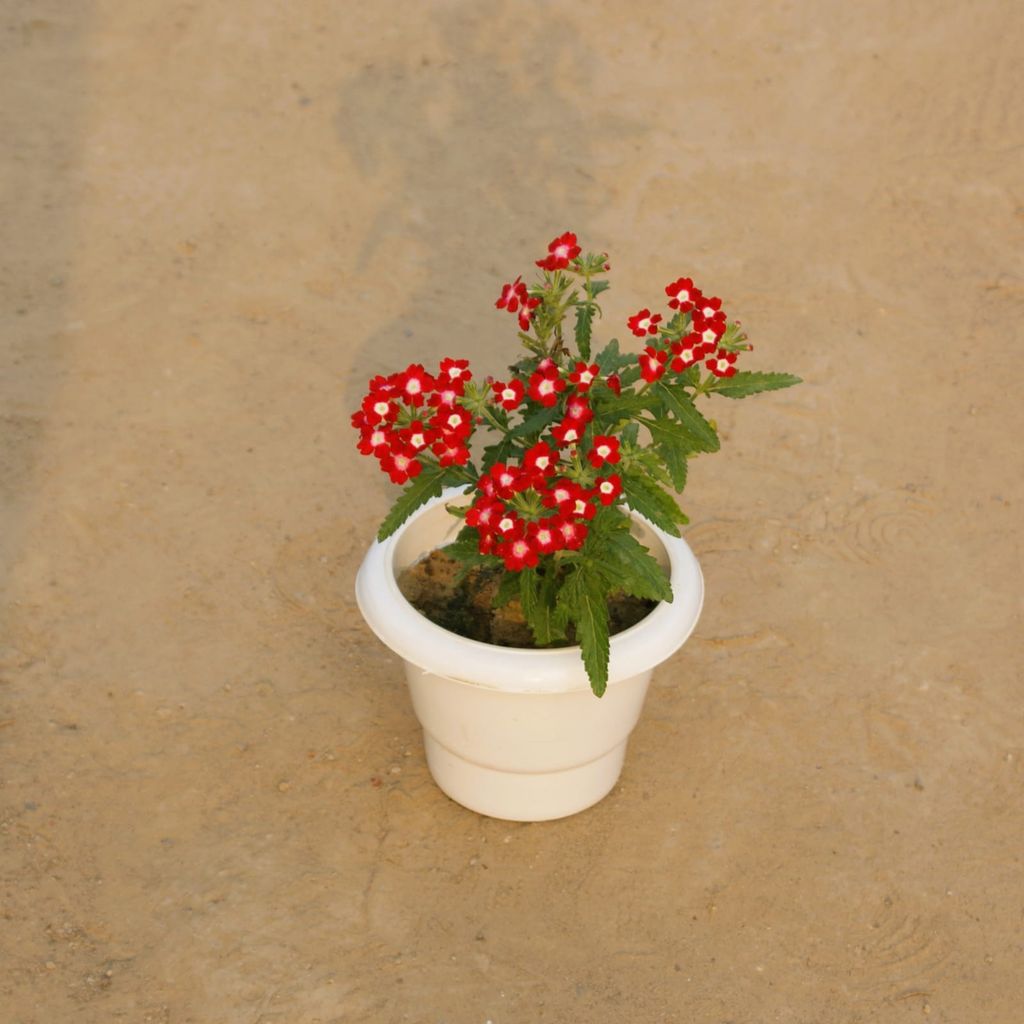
(494, 421)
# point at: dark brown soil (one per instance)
(466, 606)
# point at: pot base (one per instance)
(521, 796)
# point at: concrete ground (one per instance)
(219, 220)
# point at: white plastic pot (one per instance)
(510, 732)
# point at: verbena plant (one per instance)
(576, 440)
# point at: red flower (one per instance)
(518, 553)
(683, 295)
(457, 422)
(560, 252)
(545, 536)
(652, 363)
(508, 480)
(508, 524)
(605, 450)
(582, 507)
(614, 384)
(378, 408)
(414, 383)
(400, 464)
(644, 323)
(578, 409)
(375, 441)
(545, 386)
(509, 395)
(721, 365)
(526, 313)
(710, 329)
(450, 451)
(562, 495)
(454, 370)
(484, 513)
(416, 436)
(573, 533)
(686, 352)
(583, 376)
(709, 308)
(567, 432)
(540, 461)
(608, 488)
(512, 295)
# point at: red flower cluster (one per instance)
(520, 539)
(408, 413)
(706, 327)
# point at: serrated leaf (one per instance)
(650, 461)
(748, 382)
(537, 593)
(529, 587)
(508, 588)
(691, 376)
(585, 600)
(596, 287)
(498, 452)
(631, 374)
(584, 320)
(630, 567)
(700, 435)
(610, 359)
(611, 407)
(651, 501)
(675, 459)
(427, 485)
(537, 421)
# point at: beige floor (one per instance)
(219, 219)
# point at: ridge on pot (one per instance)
(516, 733)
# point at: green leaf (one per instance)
(611, 407)
(537, 593)
(427, 485)
(630, 567)
(748, 382)
(690, 377)
(586, 604)
(465, 549)
(508, 588)
(700, 435)
(584, 319)
(497, 452)
(631, 374)
(529, 589)
(651, 501)
(537, 421)
(596, 287)
(648, 461)
(610, 359)
(675, 459)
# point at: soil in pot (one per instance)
(466, 605)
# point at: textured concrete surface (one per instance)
(220, 218)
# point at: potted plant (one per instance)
(538, 534)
